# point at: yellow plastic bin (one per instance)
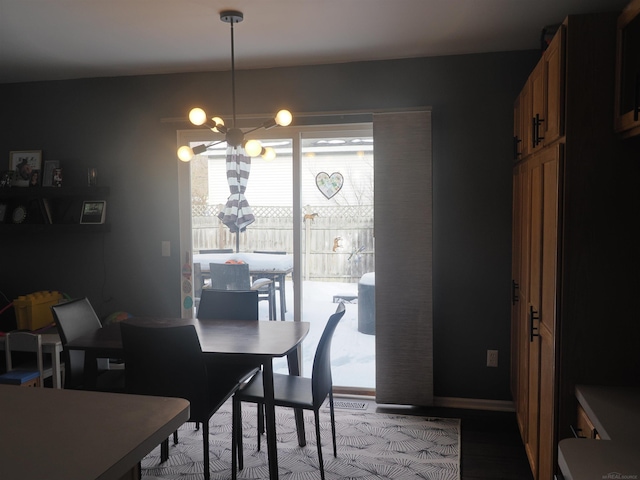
(33, 311)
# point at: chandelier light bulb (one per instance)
(185, 153)
(269, 154)
(197, 116)
(253, 148)
(284, 118)
(217, 121)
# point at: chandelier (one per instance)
(234, 136)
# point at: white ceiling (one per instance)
(63, 39)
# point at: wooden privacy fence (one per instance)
(337, 242)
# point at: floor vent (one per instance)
(348, 405)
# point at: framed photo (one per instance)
(3, 211)
(93, 211)
(6, 178)
(27, 165)
(48, 171)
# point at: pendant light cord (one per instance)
(233, 77)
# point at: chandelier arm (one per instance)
(203, 148)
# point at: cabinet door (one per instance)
(518, 287)
(547, 92)
(532, 315)
(551, 163)
(538, 87)
(552, 126)
(628, 71)
(540, 323)
(517, 129)
(525, 120)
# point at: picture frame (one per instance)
(93, 212)
(27, 165)
(48, 171)
(4, 208)
(6, 178)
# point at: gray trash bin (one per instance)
(367, 304)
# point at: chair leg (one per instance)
(237, 454)
(260, 423)
(316, 413)
(333, 424)
(164, 450)
(205, 446)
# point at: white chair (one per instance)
(30, 374)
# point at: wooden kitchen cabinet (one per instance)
(627, 120)
(538, 110)
(584, 425)
(570, 248)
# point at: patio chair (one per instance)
(292, 391)
(236, 276)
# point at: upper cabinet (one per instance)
(627, 119)
(538, 110)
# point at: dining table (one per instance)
(259, 340)
(58, 434)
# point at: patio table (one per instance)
(273, 266)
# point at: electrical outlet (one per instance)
(492, 358)
(166, 248)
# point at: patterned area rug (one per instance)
(370, 446)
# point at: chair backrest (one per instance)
(217, 250)
(271, 252)
(321, 381)
(230, 276)
(24, 342)
(228, 304)
(167, 362)
(74, 319)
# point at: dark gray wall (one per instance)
(115, 125)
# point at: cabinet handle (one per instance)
(516, 153)
(537, 138)
(636, 99)
(515, 287)
(576, 432)
(533, 331)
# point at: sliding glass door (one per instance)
(313, 207)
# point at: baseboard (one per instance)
(448, 402)
(475, 404)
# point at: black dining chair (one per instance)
(236, 276)
(168, 362)
(74, 319)
(228, 304)
(292, 391)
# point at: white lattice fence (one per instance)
(337, 242)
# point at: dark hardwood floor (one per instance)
(491, 444)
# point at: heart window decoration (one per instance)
(329, 185)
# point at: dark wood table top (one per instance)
(233, 337)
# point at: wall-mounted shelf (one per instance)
(49, 209)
